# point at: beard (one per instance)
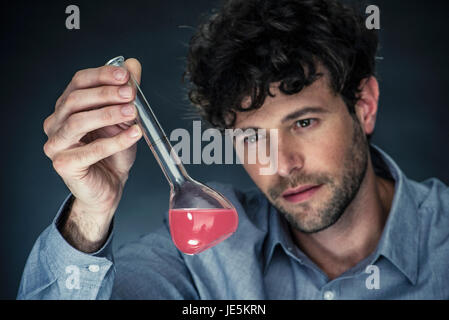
(307, 219)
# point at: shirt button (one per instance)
(328, 295)
(94, 268)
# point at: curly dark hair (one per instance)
(249, 44)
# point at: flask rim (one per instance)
(117, 61)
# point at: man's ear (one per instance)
(366, 106)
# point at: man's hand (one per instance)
(92, 144)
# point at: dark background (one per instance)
(40, 56)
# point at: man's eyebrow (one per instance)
(303, 111)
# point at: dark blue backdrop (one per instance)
(39, 57)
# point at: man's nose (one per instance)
(290, 157)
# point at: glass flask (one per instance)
(199, 216)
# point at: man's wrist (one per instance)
(83, 228)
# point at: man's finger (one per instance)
(134, 66)
(81, 158)
(95, 77)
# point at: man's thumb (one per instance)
(134, 66)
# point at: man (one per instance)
(338, 220)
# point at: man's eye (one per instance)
(250, 139)
(303, 123)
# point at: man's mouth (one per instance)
(299, 194)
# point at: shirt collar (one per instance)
(399, 240)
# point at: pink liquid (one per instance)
(195, 230)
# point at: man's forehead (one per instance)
(314, 95)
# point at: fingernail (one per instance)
(134, 131)
(119, 74)
(128, 110)
(125, 92)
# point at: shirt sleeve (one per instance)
(56, 270)
(148, 268)
(153, 268)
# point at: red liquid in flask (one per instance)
(195, 230)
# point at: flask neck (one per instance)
(171, 165)
(155, 136)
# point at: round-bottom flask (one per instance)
(199, 216)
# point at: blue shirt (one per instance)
(260, 261)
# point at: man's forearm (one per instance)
(55, 269)
(82, 231)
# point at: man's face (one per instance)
(324, 148)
